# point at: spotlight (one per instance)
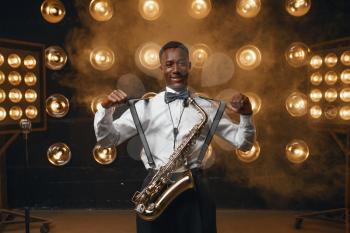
(55, 57)
(59, 154)
(31, 112)
(104, 156)
(29, 62)
(199, 54)
(148, 55)
(344, 113)
(345, 76)
(53, 11)
(15, 95)
(96, 102)
(199, 9)
(316, 95)
(251, 155)
(102, 58)
(298, 7)
(1, 59)
(101, 10)
(297, 151)
(297, 54)
(150, 9)
(331, 112)
(248, 57)
(2, 95)
(57, 105)
(255, 101)
(316, 62)
(316, 78)
(248, 8)
(30, 95)
(331, 60)
(296, 104)
(15, 113)
(2, 113)
(2, 77)
(14, 78)
(331, 95)
(331, 77)
(344, 95)
(315, 111)
(345, 58)
(14, 60)
(30, 79)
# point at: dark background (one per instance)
(271, 182)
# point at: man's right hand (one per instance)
(116, 97)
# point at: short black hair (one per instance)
(173, 44)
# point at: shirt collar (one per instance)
(168, 89)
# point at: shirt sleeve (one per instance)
(242, 135)
(111, 132)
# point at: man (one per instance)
(166, 121)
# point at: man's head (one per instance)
(175, 64)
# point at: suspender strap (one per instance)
(138, 125)
(212, 130)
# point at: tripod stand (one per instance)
(329, 214)
(14, 217)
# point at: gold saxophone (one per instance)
(162, 189)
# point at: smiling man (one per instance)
(166, 120)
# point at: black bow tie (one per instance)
(169, 96)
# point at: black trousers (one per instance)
(193, 211)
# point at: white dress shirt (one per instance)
(156, 122)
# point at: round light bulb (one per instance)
(199, 9)
(104, 156)
(297, 54)
(298, 7)
(331, 60)
(345, 76)
(15, 113)
(297, 151)
(31, 112)
(315, 111)
(255, 101)
(150, 9)
(55, 57)
(102, 58)
(296, 104)
(30, 95)
(15, 95)
(2, 95)
(315, 95)
(248, 8)
(14, 60)
(2, 77)
(199, 54)
(148, 55)
(316, 78)
(248, 57)
(101, 10)
(53, 11)
(316, 61)
(2, 114)
(59, 154)
(30, 79)
(345, 58)
(251, 155)
(331, 77)
(57, 105)
(331, 95)
(330, 112)
(345, 94)
(29, 62)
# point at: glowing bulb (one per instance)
(14, 78)
(53, 11)
(199, 9)
(57, 105)
(2, 77)
(59, 154)
(255, 101)
(199, 54)
(331, 95)
(248, 57)
(96, 102)
(248, 8)
(15, 113)
(31, 112)
(298, 7)
(251, 155)
(2, 113)
(2, 95)
(296, 104)
(316, 78)
(345, 58)
(315, 111)
(101, 10)
(104, 156)
(297, 151)
(148, 55)
(15, 95)
(330, 112)
(344, 113)
(315, 95)
(150, 9)
(297, 54)
(331, 60)
(55, 57)
(345, 76)
(345, 94)
(30, 95)
(30, 79)
(316, 62)
(14, 60)
(29, 62)
(331, 77)
(102, 58)
(2, 59)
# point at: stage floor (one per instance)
(123, 221)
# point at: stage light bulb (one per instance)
(2, 95)
(344, 113)
(248, 57)
(331, 60)
(57, 105)
(199, 9)
(53, 11)
(2, 77)
(14, 78)
(96, 102)
(199, 54)
(104, 156)
(255, 101)
(29, 62)
(316, 78)
(15, 95)
(344, 94)
(101, 10)
(30, 95)
(296, 104)
(59, 154)
(298, 7)
(2, 113)
(331, 77)
(150, 9)
(345, 58)
(148, 55)
(315, 95)
(297, 54)
(316, 62)
(15, 113)
(14, 60)
(31, 112)
(345, 76)
(248, 8)
(30, 79)
(330, 112)
(331, 95)
(251, 155)
(2, 59)
(315, 111)
(297, 151)
(102, 58)
(55, 57)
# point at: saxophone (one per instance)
(158, 194)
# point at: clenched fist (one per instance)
(114, 98)
(240, 104)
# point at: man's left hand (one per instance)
(240, 104)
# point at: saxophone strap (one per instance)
(212, 130)
(139, 128)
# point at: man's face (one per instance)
(175, 66)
